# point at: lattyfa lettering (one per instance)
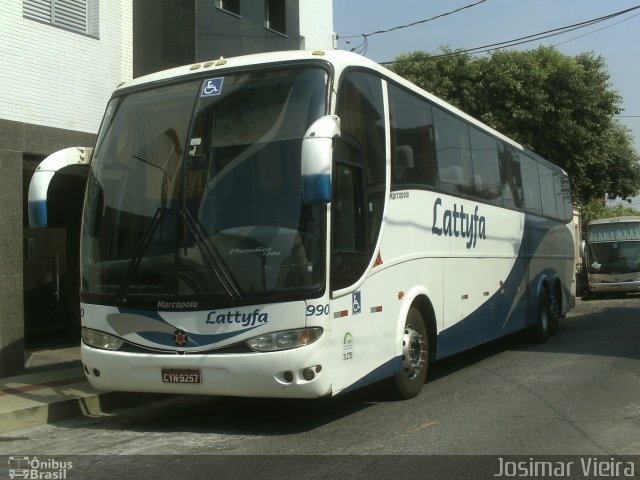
(245, 319)
(458, 223)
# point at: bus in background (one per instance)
(612, 253)
(301, 224)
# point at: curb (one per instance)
(87, 405)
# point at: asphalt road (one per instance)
(578, 394)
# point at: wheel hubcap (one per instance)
(414, 352)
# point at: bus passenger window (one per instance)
(486, 171)
(510, 177)
(454, 157)
(563, 196)
(531, 184)
(412, 146)
(547, 191)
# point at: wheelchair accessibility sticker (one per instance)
(212, 87)
(356, 303)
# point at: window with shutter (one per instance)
(37, 10)
(80, 16)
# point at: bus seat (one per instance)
(451, 175)
(404, 155)
(477, 182)
(403, 161)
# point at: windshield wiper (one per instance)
(211, 256)
(139, 254)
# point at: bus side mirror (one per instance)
(583, 247)
(317, 152)
(39, 185)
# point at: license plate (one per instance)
(181, 375)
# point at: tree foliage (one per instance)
(597, 208)
(561, 107)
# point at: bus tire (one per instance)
(556, 314)
(539, 333)
(415, 357)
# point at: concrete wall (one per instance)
(55, 86)
(220, 33)
(169, 33)
(11, 321)
(16, 140)
(58, 78)
(316, 24)
(163, 35)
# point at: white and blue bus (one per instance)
(301, 224)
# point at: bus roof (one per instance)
(340, 60)
(623, 219)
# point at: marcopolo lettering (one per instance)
(163, 305)
(458, 223)
(245, 319)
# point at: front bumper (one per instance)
(245, 375)
(612, 287)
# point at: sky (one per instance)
(617, 40)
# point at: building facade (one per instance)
(174, 32)
(60, 61)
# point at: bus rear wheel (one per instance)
(539, 333)
(415, 357)
(556, 314)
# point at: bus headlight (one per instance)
(101, 340)
(284, 340)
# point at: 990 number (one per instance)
(317, 310)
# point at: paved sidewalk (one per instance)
(54, 388)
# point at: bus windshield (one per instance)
(614, 247)
(195, 192)
(614, 257)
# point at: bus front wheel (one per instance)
(415, 357)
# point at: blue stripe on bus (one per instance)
(37, 213)
(488, 322)
(193, 339)
(165, 337)
(316, 188)
(467, 333)
(386, 370)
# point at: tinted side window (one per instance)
(361, 113)
(563, 196)
(412, 147)
(486, 171)
(510, 177)
(348, 209)
(547, 191)
(566, 197)
(531, 184)
(359, 171)
(454, 159)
